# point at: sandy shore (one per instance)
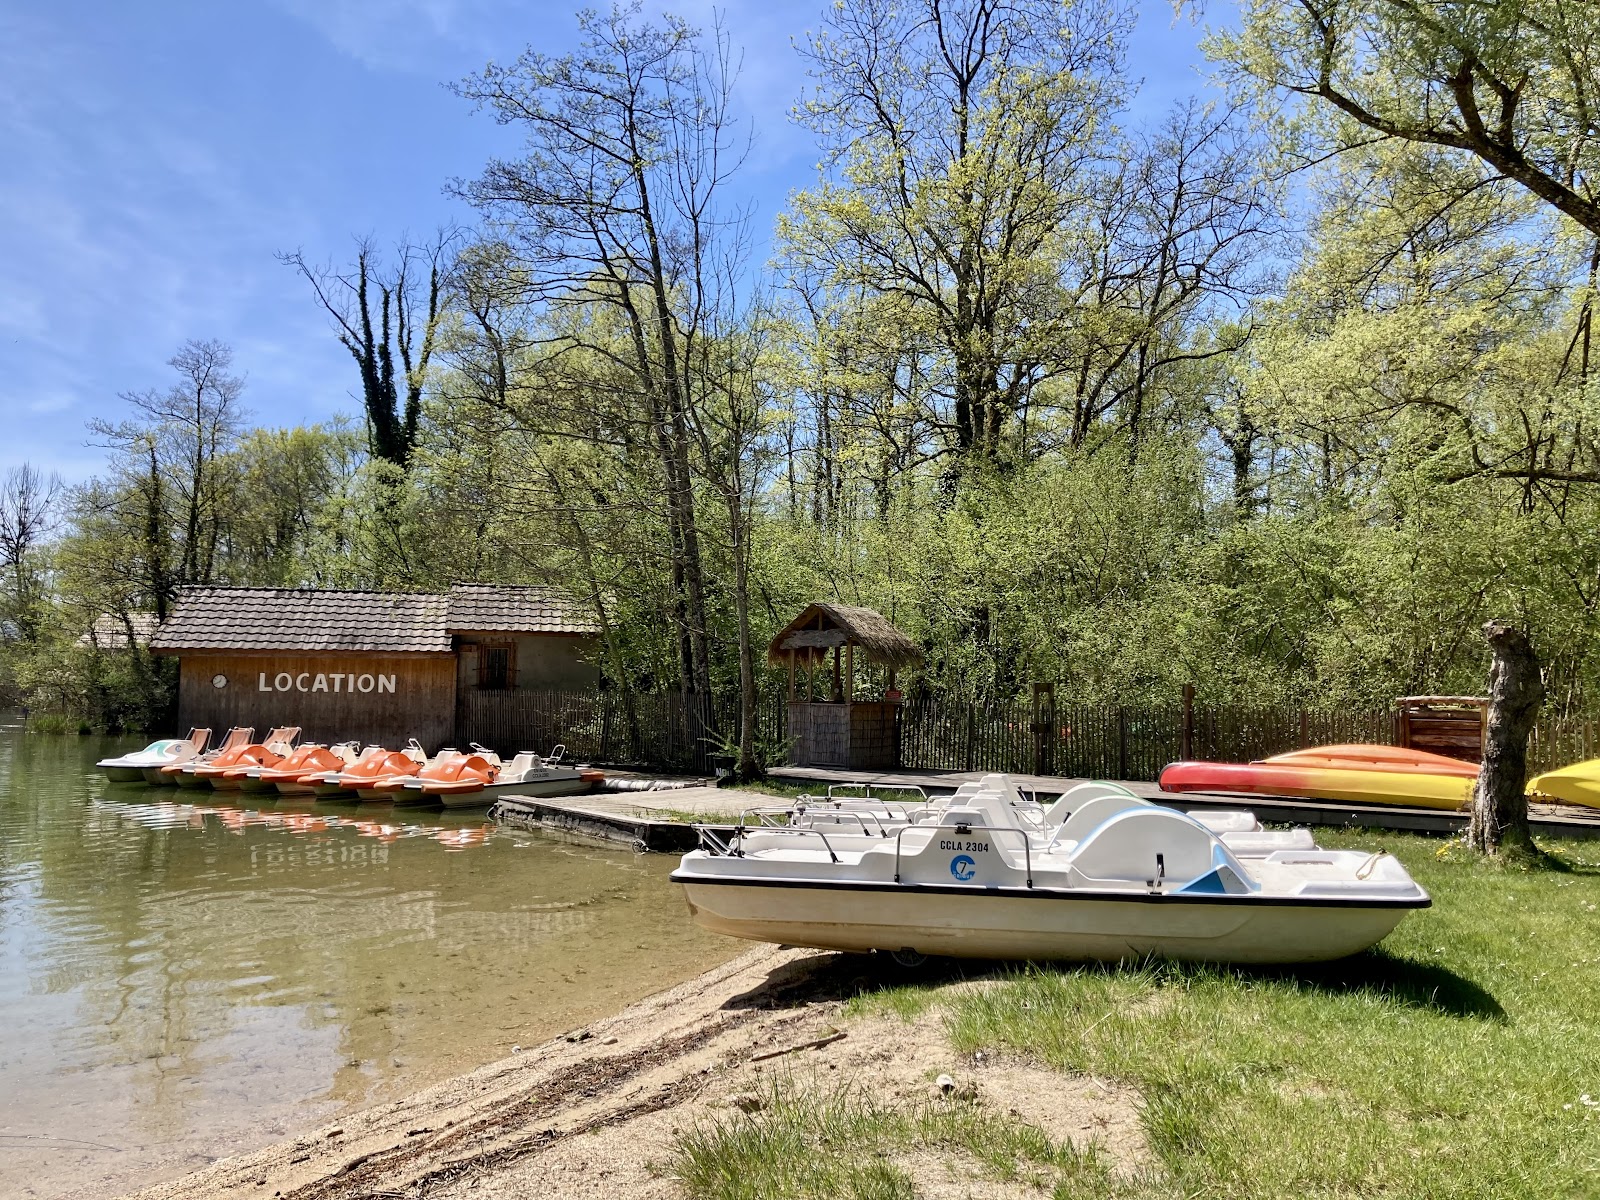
(594, 1113)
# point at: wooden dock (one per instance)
(657, 821)
(1546, 820)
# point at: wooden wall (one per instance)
(860, 736)
(1454, 730)
(550, 661)
(395, 696)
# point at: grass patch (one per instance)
(1452, 1061)
(57, 724)
(1455, 1060)
(838, 1141)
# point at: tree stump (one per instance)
(1500, 800)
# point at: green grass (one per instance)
(814, 1143)
(1450, 1062)
(56, 724)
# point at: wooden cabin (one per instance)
(855, 721)
(378, 667)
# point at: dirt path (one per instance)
(595, 1113)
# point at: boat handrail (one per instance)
(797, 830)
(964, 827)
(713, 843)
(768, 812)
(781, 811)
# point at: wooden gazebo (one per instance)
(840, 729)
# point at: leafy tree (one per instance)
(617, 220)
(1512, 83)
(401, 322)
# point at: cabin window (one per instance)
(496, 668)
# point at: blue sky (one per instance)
(156, 153)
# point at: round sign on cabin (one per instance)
(219, 681)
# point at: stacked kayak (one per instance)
(1575, 784)
(1356, 773)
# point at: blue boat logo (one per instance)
(963, 867)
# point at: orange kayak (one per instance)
(1378, 758)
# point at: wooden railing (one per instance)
(1100, 741)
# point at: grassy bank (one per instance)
(1462, 1058)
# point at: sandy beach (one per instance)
(595, 1112)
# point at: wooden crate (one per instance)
(1449, 725)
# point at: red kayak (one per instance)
(1362, 784)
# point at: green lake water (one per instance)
(184, 976)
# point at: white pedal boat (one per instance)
(131, 768)
(1111, 882)
(1088, 802)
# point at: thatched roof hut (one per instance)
(843, 729)
(823, 627)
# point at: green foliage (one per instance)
(1052, 389)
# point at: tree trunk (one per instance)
(1500, 802)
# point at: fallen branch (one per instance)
(813, 1044)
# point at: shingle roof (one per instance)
(223, 618)
(481, 608)
(110, 633)
(217, 618)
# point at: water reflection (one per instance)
(185, 975)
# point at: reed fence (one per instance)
(1101, 741)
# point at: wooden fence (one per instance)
(602, 726)
(1111, 741)
(1098, 741)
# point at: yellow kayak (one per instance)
(1578, 783)
(1356, 785)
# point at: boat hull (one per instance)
(123, 774)
(539, 789)
(1415, 790)
(156, 777)
(455, 795)
(1378, 758)
(1578, 783)
(1037, 924)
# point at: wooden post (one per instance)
(1500, 802)
(791, 672)
(1044, 723)
(838, 686)
(849, 672)
(1186, 737)
(1305, 728)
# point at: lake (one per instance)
(184, 976)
